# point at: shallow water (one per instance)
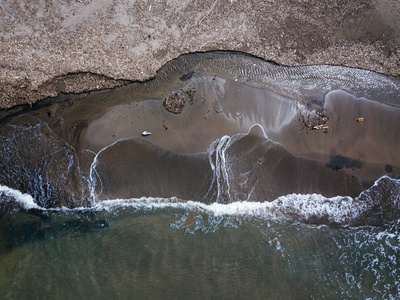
(257, 181)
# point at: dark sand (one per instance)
(309, 137)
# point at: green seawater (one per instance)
(176, 253)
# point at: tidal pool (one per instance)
(257, 181)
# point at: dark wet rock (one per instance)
(35, 161)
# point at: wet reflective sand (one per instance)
(224, 127)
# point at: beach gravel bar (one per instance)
(64, 46)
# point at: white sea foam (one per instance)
(297, 207)
(314, 206)
(94, 176)
(293, 207)
(24, 199)
(309, 208)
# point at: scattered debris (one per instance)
(315, 120)
(146, 133)
(176, 100)
(174, 103)
(321, 127)
(191, 94)
(205, 116)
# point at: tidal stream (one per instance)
(224, 177)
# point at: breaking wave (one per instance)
(304, 208)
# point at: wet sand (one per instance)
(244, 130)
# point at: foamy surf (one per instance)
(25, 200)
(303, 208)
(308, 208)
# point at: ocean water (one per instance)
(255, 182)
(143, 249)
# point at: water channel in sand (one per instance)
(231, 135)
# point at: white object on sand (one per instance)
(146, 133)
